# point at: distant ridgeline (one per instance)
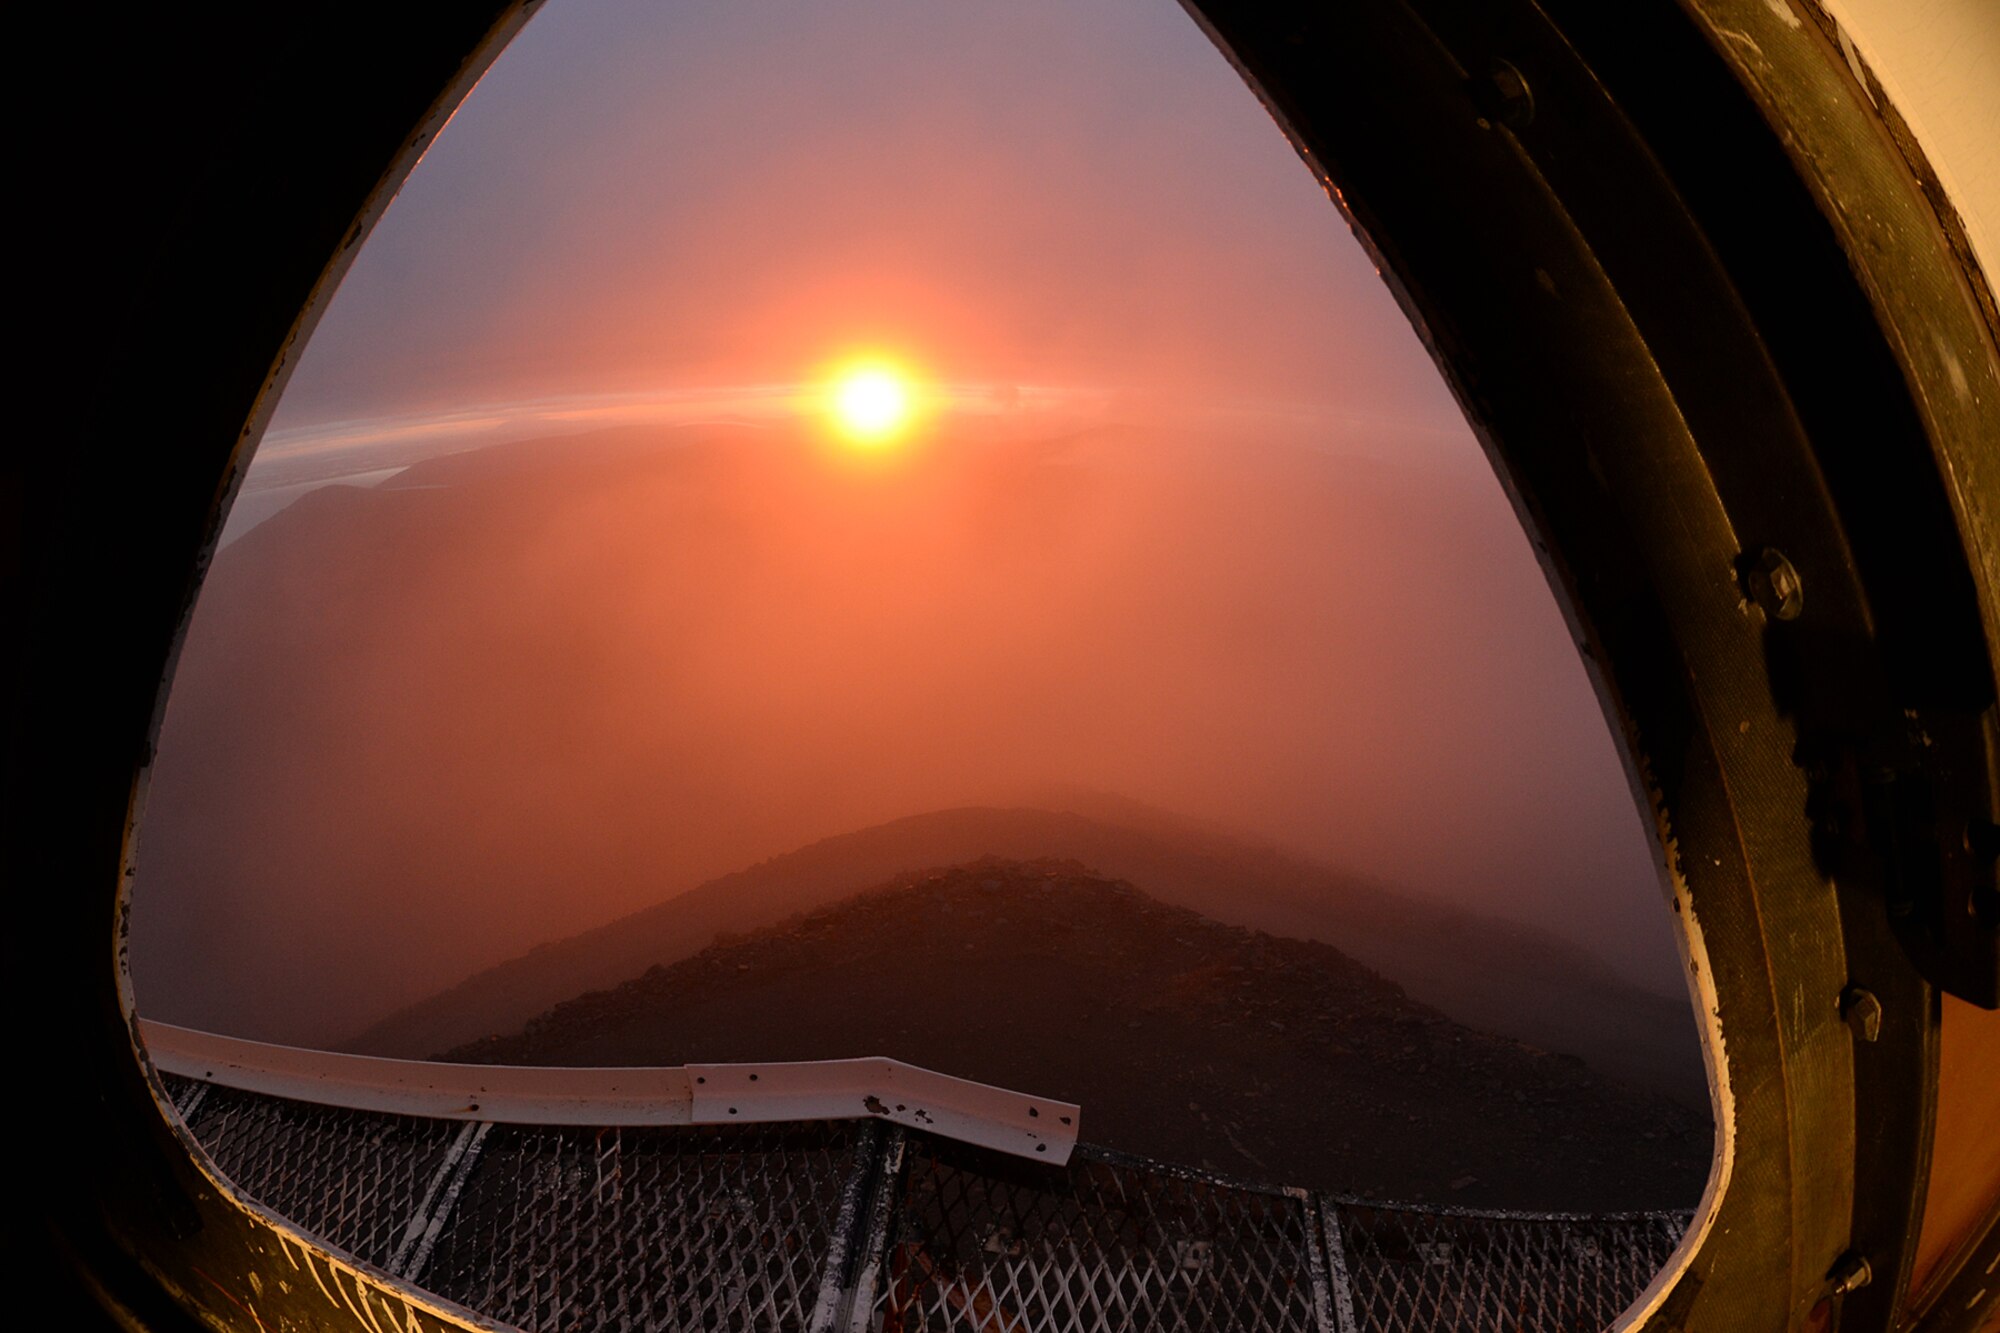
(1185, 1040)
(1499, 977)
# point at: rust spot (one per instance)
(874, 1105)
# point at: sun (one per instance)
(872, 404)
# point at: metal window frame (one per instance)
(1689, 292)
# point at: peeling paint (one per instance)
(1784, 14)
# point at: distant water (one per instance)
(256, 503)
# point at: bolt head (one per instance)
(1850, 1273)
(1862, 1012)
(1503, 95)
(1774, 585)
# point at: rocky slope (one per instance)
(1499, 976)
(1183, 1038)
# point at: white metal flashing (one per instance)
(1038, 1128)
(956, 1108)
(504, 1093)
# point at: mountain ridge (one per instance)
(1496, 976)
(1183, 1038)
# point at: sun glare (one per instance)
(871, 404)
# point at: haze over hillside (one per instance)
(1182, 1038)
(1490, 974)
(519, 692)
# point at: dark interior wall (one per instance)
(193, 173)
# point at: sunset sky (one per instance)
(688, 204)
(1184, 514)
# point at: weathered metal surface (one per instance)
(838, 1227)
(518, 1095)
(1411, 1268)
(956, 1108)
(1111, 1243)
(356, 1179)
(652, 1228)
(742, 1094)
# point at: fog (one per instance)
(1197, 526)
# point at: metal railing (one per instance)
(867, 1225)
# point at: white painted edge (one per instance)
(1041, 1129)
(510, 1094)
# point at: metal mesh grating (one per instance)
(980, 1244)
(1496, 1273)
(653, 1229)
(740, 1228)
(355, 1179)
(184, 1093)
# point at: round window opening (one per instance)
(915, 534)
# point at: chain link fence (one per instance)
(858, 1227)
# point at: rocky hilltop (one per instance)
(1183, 1038)
(1495, 975)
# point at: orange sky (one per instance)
(643, 198)
(1075, 218)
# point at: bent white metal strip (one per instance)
(503, 1093)
(956, 1108)
(1034, 1127)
